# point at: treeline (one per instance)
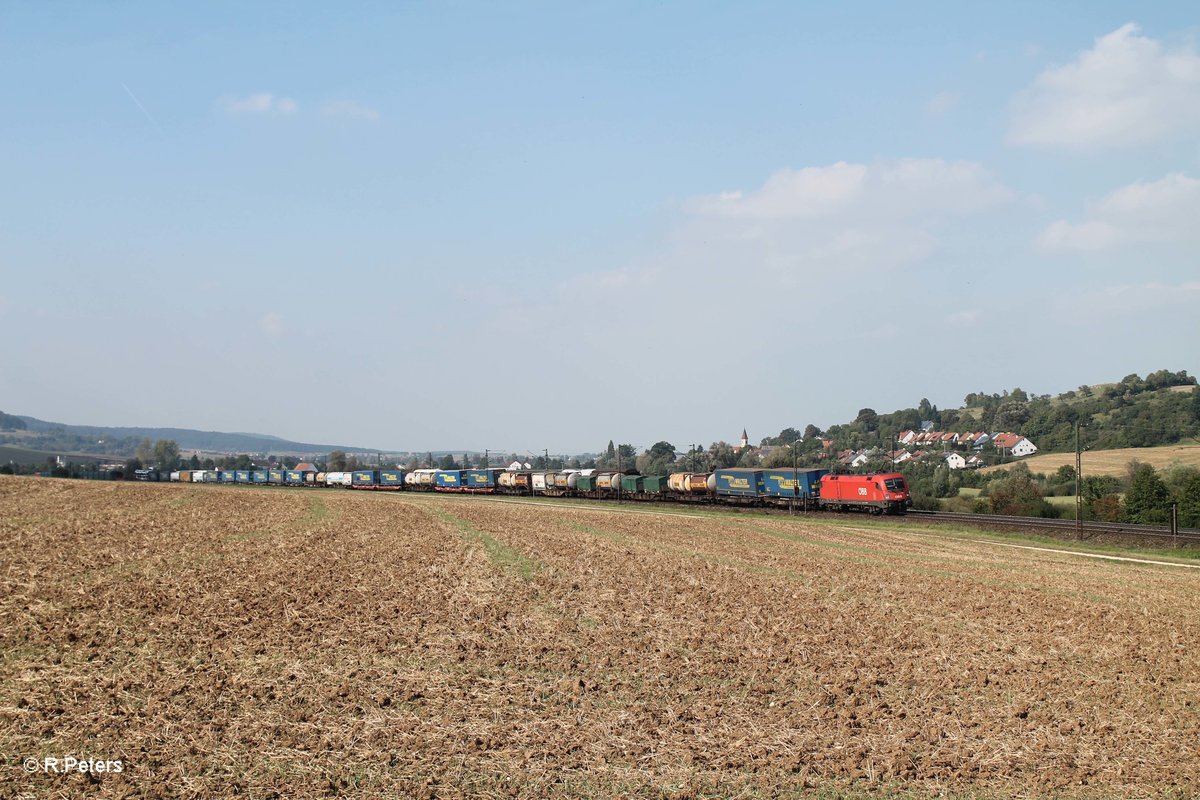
(61, 441)
(1135, 412)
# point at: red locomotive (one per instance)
(877, 494)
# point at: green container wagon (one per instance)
(654, 484)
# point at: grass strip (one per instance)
(504, 557)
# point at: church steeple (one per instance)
(745, 438)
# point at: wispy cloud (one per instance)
(259, 103)
(1127, 89)
(348, 108)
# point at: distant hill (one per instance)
(57, 436)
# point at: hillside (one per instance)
(58, 437)
(1161, 409)
(1111, 462)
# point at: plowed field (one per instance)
(224, 641)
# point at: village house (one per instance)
(955, 461)
(1016, 445)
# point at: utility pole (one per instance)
(1078, 485)
(618, 472)
(795, 481)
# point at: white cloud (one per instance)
(942, 103)
(1127, 89)
(347, 108)
(813, 237)
(964, 319)
(1063, 235)
(1140, 298)
(1157, 212)
(260, 103)
(891, 190)
(272, 325)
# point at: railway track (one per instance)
(1089, 529)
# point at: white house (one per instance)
(1023, 448)
(955, 461)
(860, 459)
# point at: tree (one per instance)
(626, 456)
(337, 461)
(1099, 485)
(658, 460)
(749, 458)
(194, 461)
(1010, 416)
(1147, 501)
(941, 481)
(144, 451)
(811, 431)
(166, 454)
(1188, 497)
(925, 409)
(1065, 473)
(721, 456)
(868, 418)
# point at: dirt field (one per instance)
(1112, 462)
(225, 641)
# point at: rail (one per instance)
(1068, 525)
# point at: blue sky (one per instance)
(528, 226)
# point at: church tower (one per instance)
(745, 439)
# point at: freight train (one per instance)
(812, 488)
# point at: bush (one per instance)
(923, 502)
(1020, 496)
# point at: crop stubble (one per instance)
(225, 640)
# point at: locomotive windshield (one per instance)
(896, 485)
